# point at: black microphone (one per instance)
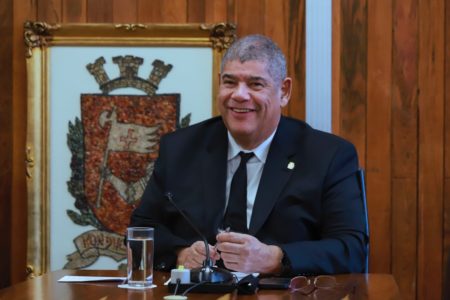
(208, 272)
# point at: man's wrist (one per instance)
(284, 266)
(278, 257)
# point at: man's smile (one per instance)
(242, 110)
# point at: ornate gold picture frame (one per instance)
(56, 55)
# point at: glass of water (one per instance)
(140, 256)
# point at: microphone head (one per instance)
(212, 275)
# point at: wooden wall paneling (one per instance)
(447, 139)
(22, 10)
(231, 12)
(431, 137)
(150, 11)
(74, 11)
(295, 33)
(446, 213)
(378, 135)
(162, 11)
(216, 11)
(405, 120)
(124, 11)
(196, 11)
(336, 52)
(403, 237)
(249, 17)
(405, 86)
(49, 11)
(278, 31)
(353, 77)
(6, 136)
(99, 11)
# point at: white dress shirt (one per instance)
(254, 169)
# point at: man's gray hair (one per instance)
(261, 48)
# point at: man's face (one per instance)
(250, 101)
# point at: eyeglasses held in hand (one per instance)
(306, 286)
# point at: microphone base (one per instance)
(212, 275)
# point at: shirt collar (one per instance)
(260, 152)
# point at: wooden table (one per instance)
(368, 286)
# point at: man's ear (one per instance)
(286, 89)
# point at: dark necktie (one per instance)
(236, 213)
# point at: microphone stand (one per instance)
(208, 272)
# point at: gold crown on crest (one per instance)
(129, 67)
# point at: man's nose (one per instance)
(241, 92)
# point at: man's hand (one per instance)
(193, 256)
(245, 253)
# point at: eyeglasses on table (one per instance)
(306, 286)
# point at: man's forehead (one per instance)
(249, 68)
(236, 62)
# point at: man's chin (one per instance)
(241, 134)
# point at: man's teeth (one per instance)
(242, 110)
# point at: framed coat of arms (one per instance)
(100, 96)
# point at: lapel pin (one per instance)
(291, 165)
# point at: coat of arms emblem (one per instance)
(114, 147)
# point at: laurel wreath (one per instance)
(75, 141)
(75, 185)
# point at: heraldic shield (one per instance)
(114, 148)
(121, 138)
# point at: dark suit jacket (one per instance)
(312, 211)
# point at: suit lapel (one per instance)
(276, 174)
(214, 167)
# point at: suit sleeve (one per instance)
(341, 248)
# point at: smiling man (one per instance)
(287, 194)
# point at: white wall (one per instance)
(318, 64)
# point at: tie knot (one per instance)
(245, 156)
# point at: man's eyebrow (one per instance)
(228, 76)
(257, 78)
(250, 78)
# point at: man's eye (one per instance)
(228, 82)
(256, 85)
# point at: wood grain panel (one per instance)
(249, 17)
(431, 137)
(404, 240)
(216, 11)
(74, 11)
(446, 229)
(124, 11)
(50, 10)
(336, 67)
(150, 11)
(295, 54)
(405, 69)
(196, 11)
(162, 11)
(6, 136)
(99, 11)
(23, 10)
(404, 145)
(278, 31)
(353, 77)
(378, 167)
(447, 139)
(447, 89)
